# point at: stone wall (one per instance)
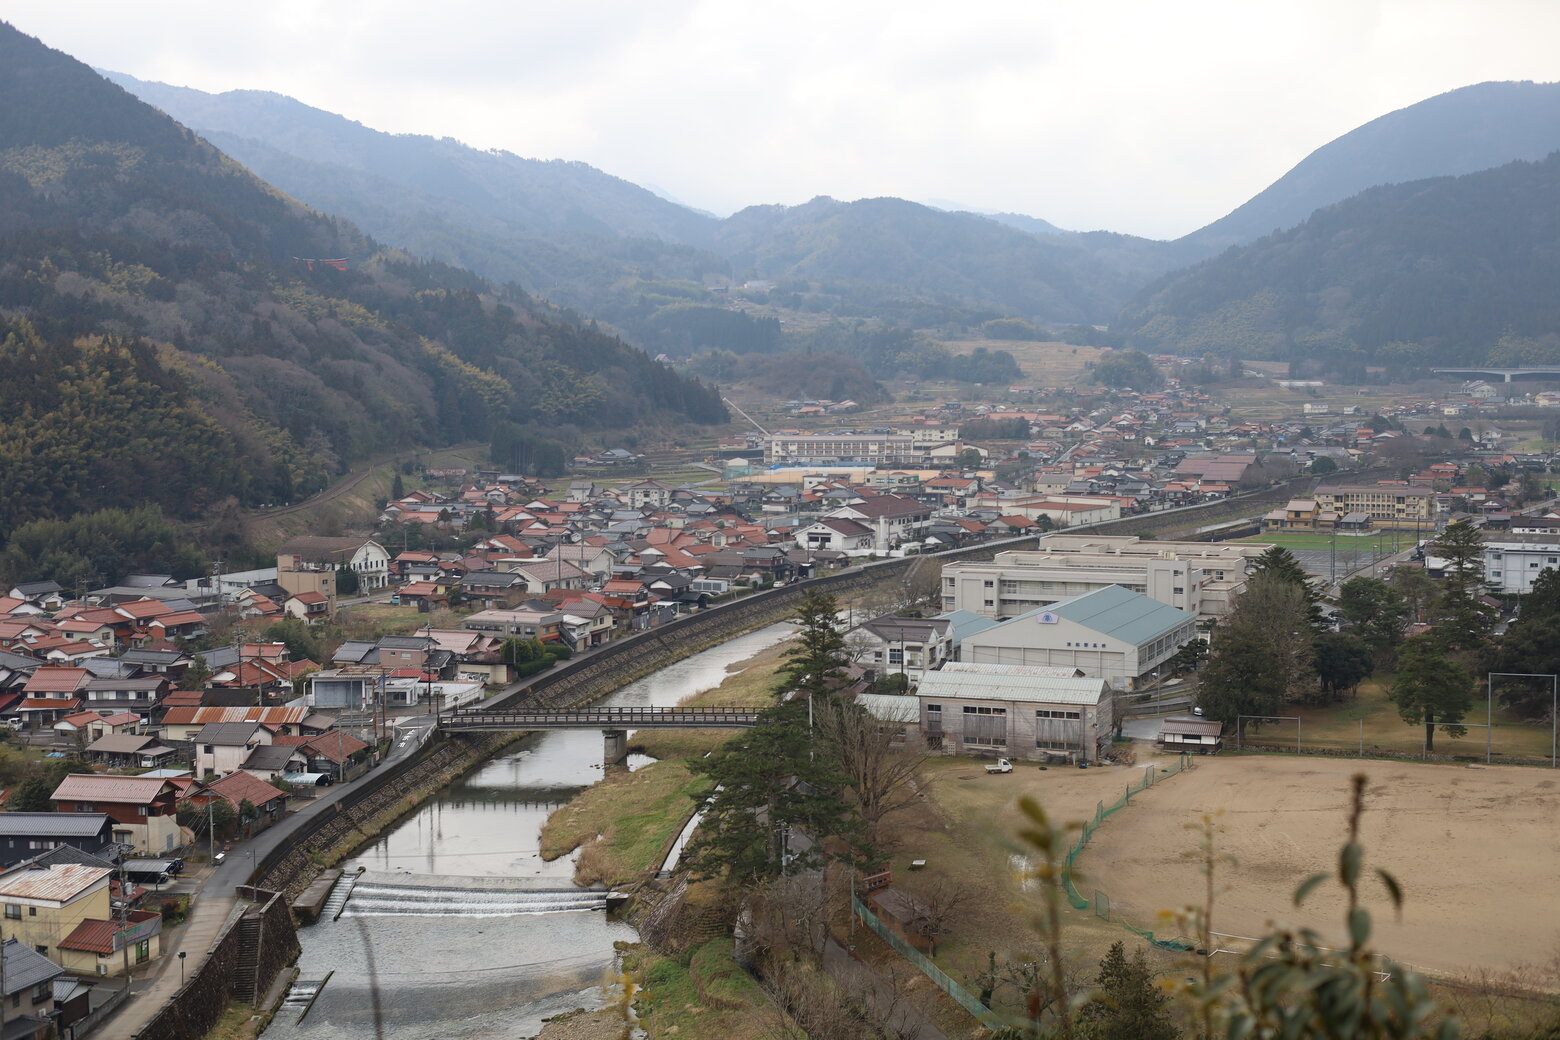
(196, 1006)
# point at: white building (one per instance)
(1110, 633)
(1513, 561)
(1202, 578)
(905, 645)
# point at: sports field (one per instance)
(1477, 851)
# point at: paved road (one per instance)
(214, 900)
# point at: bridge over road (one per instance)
(614, 723)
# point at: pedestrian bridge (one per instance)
(1506, 375)
(614, 723)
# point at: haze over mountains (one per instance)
(628, 256)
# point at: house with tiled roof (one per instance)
(141, 807)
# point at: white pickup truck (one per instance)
(1001, 765)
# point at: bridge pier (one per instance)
(615, 746)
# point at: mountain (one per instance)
(1448, 269)
(601, 245)
(1462, 131)
(157, 279)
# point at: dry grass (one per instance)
(623, 822)
(1043, 364)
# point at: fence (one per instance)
(940, 978)
(1101, 902)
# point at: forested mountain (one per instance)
(1462, 131)
(598, 244)
(1450, 269)
(169, 347)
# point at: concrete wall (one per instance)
(197, 1005)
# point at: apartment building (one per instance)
(875, 449)
(1512, 562)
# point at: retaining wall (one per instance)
(197, 1005)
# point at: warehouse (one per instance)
(1111, 633)
(1033, 714)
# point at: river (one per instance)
(437, 943)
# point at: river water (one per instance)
(441, 940)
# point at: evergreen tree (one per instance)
(1431, 688)
(1126, 1005)
(195, 676)
(397, 489)
(31, 795)
(1375, 611)
(1279, 563)
(1263, 655)
(820, 655)
(346, 581)
(1343, 661)
(1461, 621)
(769, 786)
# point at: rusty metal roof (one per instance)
(58, 883)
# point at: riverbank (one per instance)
(623, 825)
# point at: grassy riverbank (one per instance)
(624, 823)
(702, 995)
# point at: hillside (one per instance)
(611, 249)
(1451, 269)
(1462, 131)
(127, 241)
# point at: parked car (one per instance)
(1001, 765)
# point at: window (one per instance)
(986, 727)
(32, 911)
(13, 912)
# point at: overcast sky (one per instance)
(1151, 117)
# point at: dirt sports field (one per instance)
(1477, 851)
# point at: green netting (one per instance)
(1103, 812)
(940, 978)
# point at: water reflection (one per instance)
(475, 974)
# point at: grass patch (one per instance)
(238, 1022)
(623, 822)
(1382, 542)
(1340, 725)
(669, 1002)
(1043, 364)
(370, 620)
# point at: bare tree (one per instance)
(881, 762)
(939, 904)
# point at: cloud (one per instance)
(1135, 115)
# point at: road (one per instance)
(213, 901)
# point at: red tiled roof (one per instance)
(98, 936)
(239, 786)
(57, 680)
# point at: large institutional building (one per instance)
(1201, 578)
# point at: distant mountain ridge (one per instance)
(616, 251)
(1472, 128)
(1443, 270)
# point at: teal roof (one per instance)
(966, 623)
(1116, 613)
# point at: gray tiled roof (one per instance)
(51, 824)
(26, 968)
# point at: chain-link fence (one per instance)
(940, 978)
(1152, 775)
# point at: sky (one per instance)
(1149, 117)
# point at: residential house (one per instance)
(309, 564)
(502, 589)
(130, 751)
(24, 835)
(222, 747)
(349, 689)
(905, 646)
(44, 903)
(269, 802)
(184, 723)
(27, 985)
(310, 606)
(837, 534)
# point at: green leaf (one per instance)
(1394, 890)
(1308, 886)
(1349, 860)
(1359, 927)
